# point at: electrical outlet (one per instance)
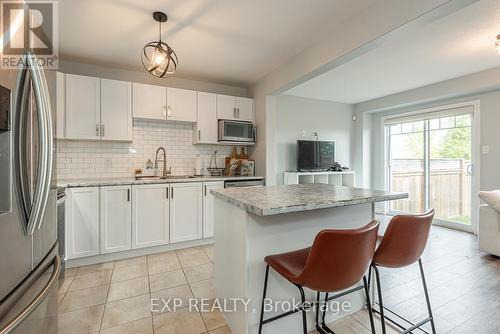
(108, 163)
(485, 149)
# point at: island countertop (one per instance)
(273, 200)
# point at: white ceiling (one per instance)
(456, 45)
(227, 41)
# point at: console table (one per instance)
(347, 178)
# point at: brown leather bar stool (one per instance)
(337, 260)
(403, 243)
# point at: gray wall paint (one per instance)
(353, 33)
(144, 77)
(299, 118)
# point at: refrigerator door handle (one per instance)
(11, 325)
(33, 210)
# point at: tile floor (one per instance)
(115, 297)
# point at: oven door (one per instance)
(235, 131)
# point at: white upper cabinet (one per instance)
(150, 101)
(206, 125)
(245, 109)
(226, 107)
(181, 105)
(235, 108)
(185, 212)
(116, 110)
(116, 224)
(150, 215)
(83, 107)
(208, 207)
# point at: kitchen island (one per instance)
(252, 223)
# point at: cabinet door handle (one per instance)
(97, 130)
(166, 193)
(238, 112)
(165, 111)
(199, 134)
(205, 191)
(169, 112)
(102, 130)
(172, 194)
(128, 195)
(234, 112)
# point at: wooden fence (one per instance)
(449, 191)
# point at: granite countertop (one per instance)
(272, 200)
(75, 183)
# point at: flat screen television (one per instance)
(315, 155)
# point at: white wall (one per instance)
(299, 118)
(483, 86)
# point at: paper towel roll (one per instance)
(197, 165)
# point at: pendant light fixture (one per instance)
(157, 57)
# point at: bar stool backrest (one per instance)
(339, 258)
(404, 240)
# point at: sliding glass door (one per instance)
(430, 157)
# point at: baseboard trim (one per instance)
(84, 261)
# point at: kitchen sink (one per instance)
(171, 177)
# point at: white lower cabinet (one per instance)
(116, 222)
(208, 207)
(82, 222)
(150, 215)
(185, 212)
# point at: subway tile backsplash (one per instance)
(97, 159)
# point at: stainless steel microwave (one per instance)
(236, 131)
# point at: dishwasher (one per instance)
(243, 183)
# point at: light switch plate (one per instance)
(485, 149)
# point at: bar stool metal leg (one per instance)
(380, 302)
(263, 300)
(431, 317)
(303, 299)
(369, 304)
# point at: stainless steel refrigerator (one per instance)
(29, 264)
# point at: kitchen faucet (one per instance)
(165, 171)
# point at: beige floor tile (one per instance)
(142, 326)
(81, 321)
(84, 298)
(199, 273)
(125, 310)
(213, 319)
(209, 250)
(70, 272)
(124, 273)
(167, 280)
(222, 330)
(90, 280)
(164, 299)
(95, 267)
(191, 257)
(163, 262)
(64, 283)
(363, 318)
(129, 288)
(179, 322)
(203, 289)
(131, 261)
